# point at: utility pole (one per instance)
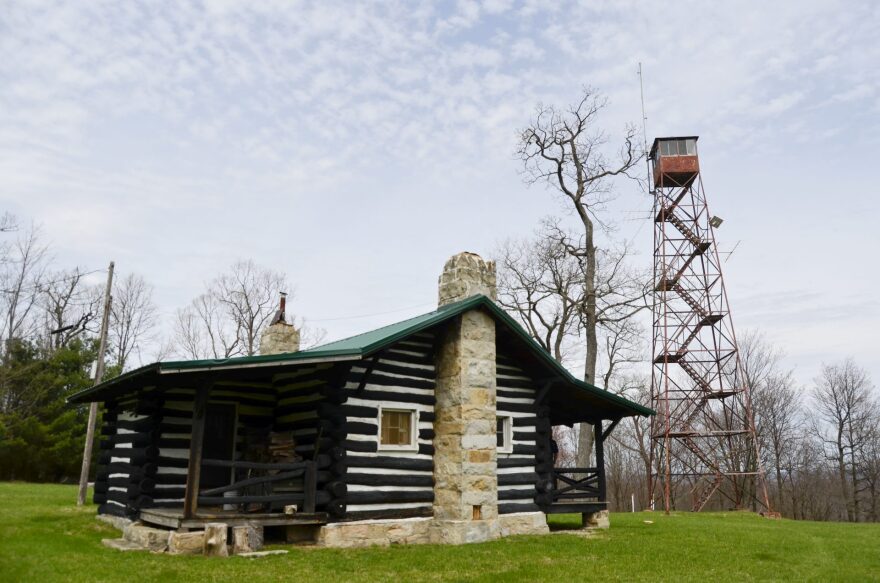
(93, 406)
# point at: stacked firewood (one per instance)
(282, 448)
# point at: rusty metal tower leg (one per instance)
(703, 437)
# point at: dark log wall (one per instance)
(520, 473)
(127, 455)
(309, 406)
(384, 482)
(158, 426)
(254, 404)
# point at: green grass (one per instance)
(44, 537)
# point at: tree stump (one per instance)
(215, 540)
(246, 539)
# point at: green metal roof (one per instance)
(365, 345)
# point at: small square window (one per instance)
(504, 434)
(397, 428)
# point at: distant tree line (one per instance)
(48, 341)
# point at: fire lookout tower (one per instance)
(703, 435)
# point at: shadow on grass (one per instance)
(565, 522)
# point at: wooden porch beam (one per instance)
(364, 378)
(600, 459)
(608, 431)
(543, 392)
(194, 467)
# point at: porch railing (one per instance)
(279, 473)
(571, 484)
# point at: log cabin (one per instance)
(433, 429)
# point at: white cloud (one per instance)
(119, 118)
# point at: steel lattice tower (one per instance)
(703, 435)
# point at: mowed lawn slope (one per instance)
(44, 537)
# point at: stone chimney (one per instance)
(279, 336)
(465, 275)
(465, 463)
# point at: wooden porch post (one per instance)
(194, 468)
(600, 459)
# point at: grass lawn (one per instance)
(45, 537)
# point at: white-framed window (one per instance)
(677, 148)
(398, 429)
(504, 433)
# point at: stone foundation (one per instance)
(600, 519)
(460, 532)
(186, 543)
(523, 523)
(211, 541)
(152, 539)
(365, 533)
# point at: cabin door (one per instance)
(219, 444)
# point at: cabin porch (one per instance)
(174, 519)
(251, 498)
(577, 491)
(573, 490)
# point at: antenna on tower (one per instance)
(644, 127)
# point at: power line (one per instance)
(42, 285)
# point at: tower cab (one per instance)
(675, 161)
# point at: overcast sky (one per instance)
(357, 146)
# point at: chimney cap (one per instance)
(279, 313)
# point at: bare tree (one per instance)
(846, 411)
(229, 317)
(633, 437)
(869, 467)
(203, 331)
(23, 269)
(778, 424)
(775, 411)
(71, 307)
(132, 318)
(564, 149)
(541, 284)
(309, 336)
(249, 295)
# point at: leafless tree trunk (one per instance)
(563, 148)
(132, 318)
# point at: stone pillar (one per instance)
(465, 480)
